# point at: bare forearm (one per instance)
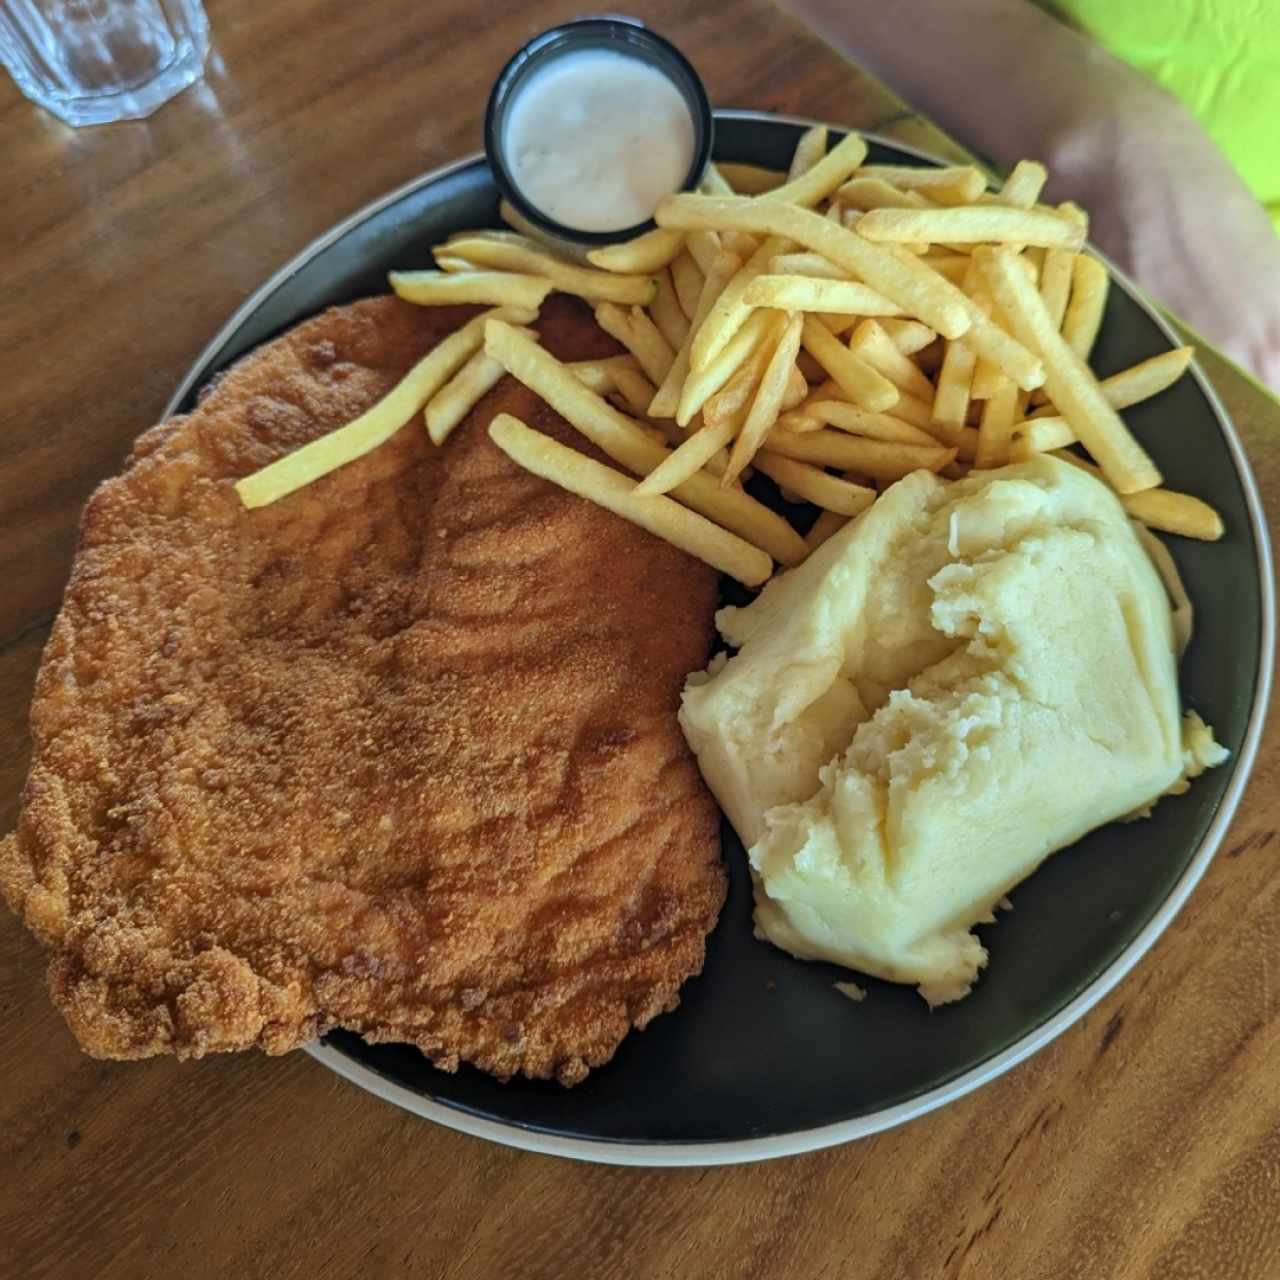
(1001, 76)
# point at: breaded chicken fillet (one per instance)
(397, 753)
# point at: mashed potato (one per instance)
(964, 679)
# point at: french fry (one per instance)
(875, 346)
(1021, 188)
(665, 309)
(797, 389)
(987, 380)
(952, 267)
(738, 242)
(621, 438)
(1040, 436)
(687, 279)
(1055, 289)
(839, 322)
(865, 386)
(808, 293)
(999, 348)
(491, 288)
(1173, 512)
(1069, 381)
(451, 404)
(909, 336)
(693, 455)
(715, 464)
(875, 193)
(667, 400)
(768, 400)
(639, 335)
(629, 381)
(729, 312)
(902, 279)
(714, 184)
(1164, 509)
(806, 264)
(816, 184)
(596, 374)
(962, 181)
(987, 376)
(1055, 283)
(1074, 213)
(801, 417)
(704, 247)
(798, 423)
(447, 262)
(1083, 318)
(733, 401)
(762, 326)
(996, 428)
(750, 179)
(914, 411)
(971, 224)
(876, 458)
(722, 417)
(824, 526)
(815, 485)
(919, 249)
(611, 489)
(586, 282)
(809, 150)
(644, 255)
(951, 398)
(377, 424)
(1128, 387)
(874, 426)
(1147, 378)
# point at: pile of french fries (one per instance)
(835, 328)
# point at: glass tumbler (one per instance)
(97, 61)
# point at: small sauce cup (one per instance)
(624, 36)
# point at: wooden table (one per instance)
(1144, 1142)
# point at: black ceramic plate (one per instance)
(764, 1057)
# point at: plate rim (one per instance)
(743, 1150)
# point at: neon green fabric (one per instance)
(1220, 57)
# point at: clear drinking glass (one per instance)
(97, 61)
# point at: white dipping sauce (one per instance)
(595, 139)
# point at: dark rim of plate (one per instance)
(622, 35)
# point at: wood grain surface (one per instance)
(1145, 1142)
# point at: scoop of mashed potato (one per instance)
(964, 679)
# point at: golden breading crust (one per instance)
(398, 753)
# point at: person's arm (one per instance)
(1010, 81)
